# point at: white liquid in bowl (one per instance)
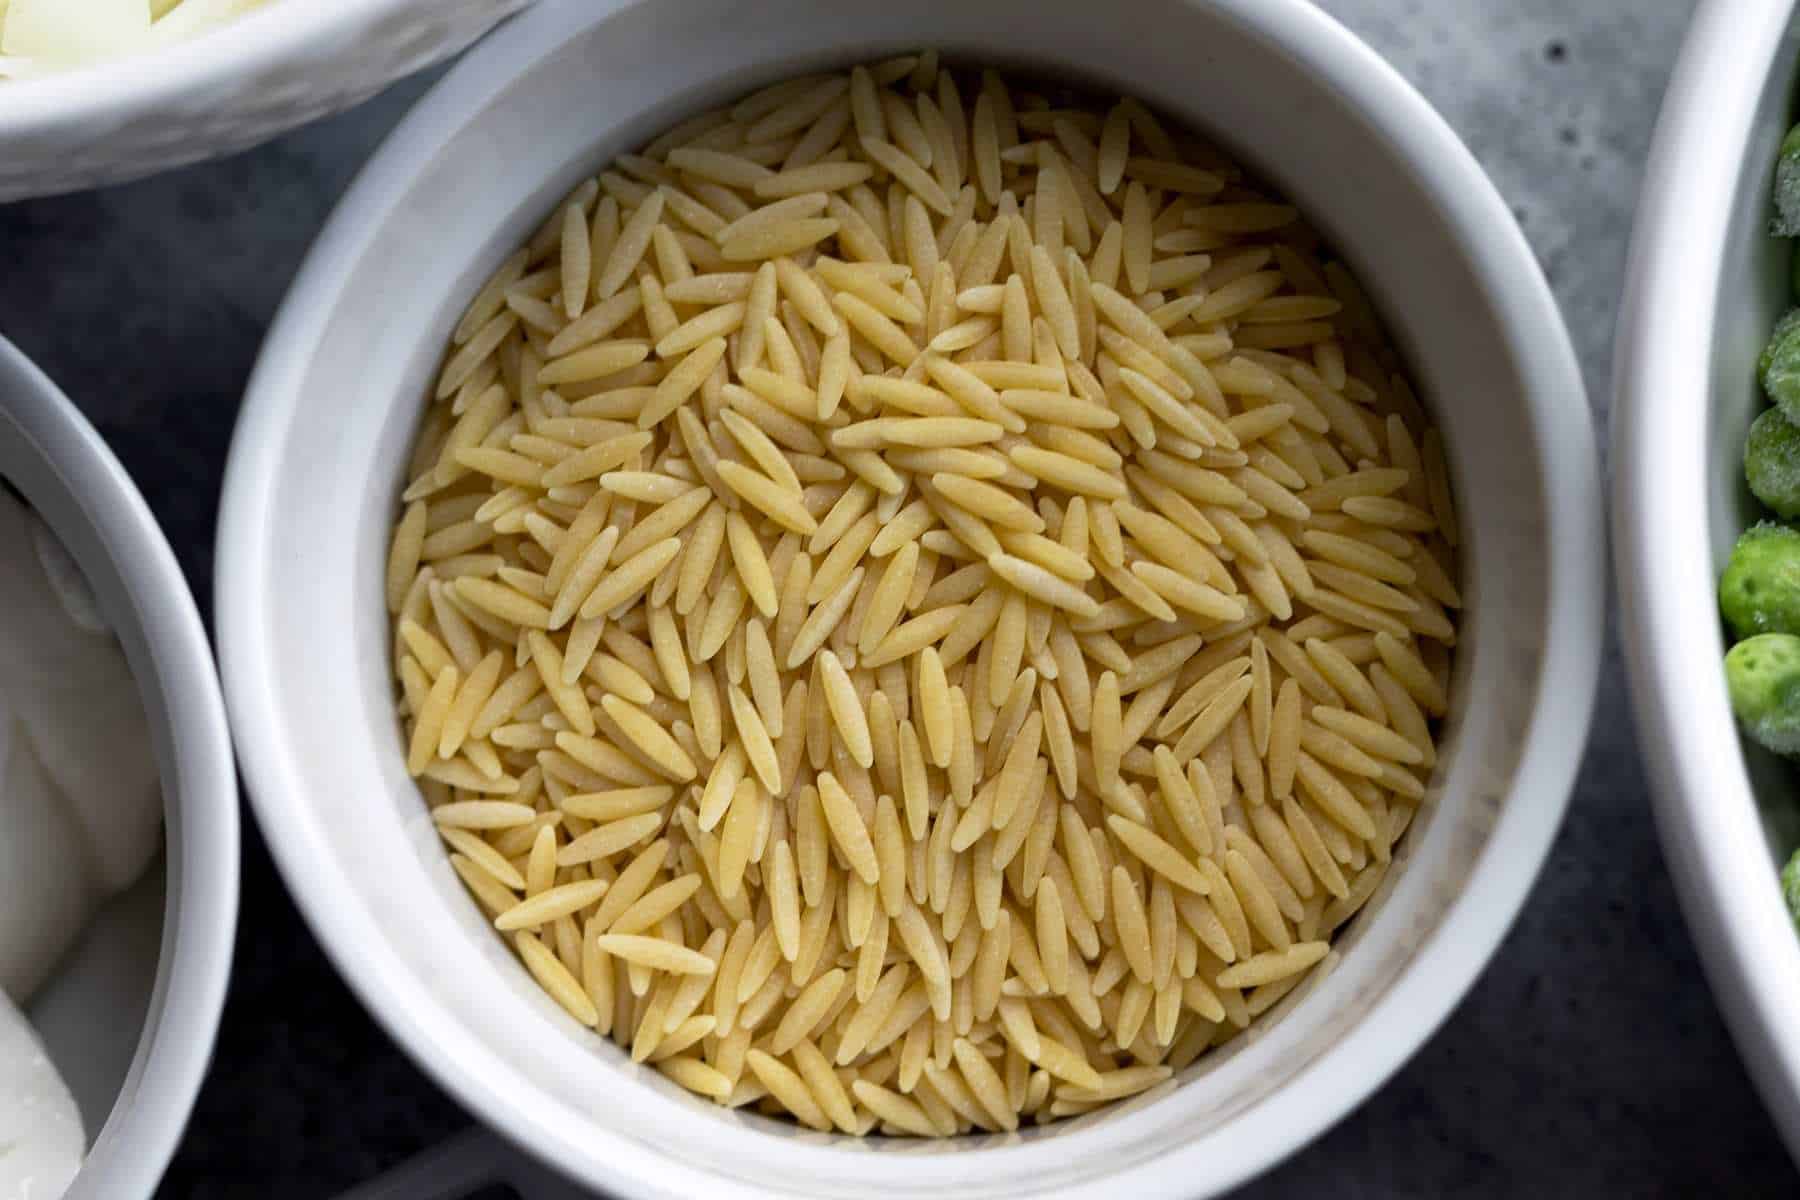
(80, 818)
(41, 1138)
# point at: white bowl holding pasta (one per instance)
(314, 497)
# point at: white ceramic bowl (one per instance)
(130, 1015)
(1706, 283)
(282, 65)
(315, 470)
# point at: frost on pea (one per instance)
(1762, 674)
(1760, 589)
(1772, 462)
(1779, 365)
(1786, 222)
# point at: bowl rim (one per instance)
(1705, 809)
(1398, 1023)
(200, 914)
(243, 47)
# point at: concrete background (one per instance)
(1588, 1060)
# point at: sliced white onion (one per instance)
(40, 36)
(69, 32)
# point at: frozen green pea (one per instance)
(1786, 222)
(1760, 589)
(1790, 887)
(1790, 321)
(1778, 368)
(1763, 676)
(1772, 462)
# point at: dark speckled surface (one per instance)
(1589, 1060)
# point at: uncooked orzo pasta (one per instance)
(921, 604)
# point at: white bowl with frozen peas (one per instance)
(542, 890)
(118, 817)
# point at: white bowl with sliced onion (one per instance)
(102, 91)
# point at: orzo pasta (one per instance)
(921, 604)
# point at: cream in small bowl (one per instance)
(121, 794)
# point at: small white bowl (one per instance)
(282, 65)
(1705, 286)
(130, 1015)
(315, 470)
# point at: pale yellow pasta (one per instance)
(918, 610)
(550, 904)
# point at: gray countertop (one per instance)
(1589, 1058)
